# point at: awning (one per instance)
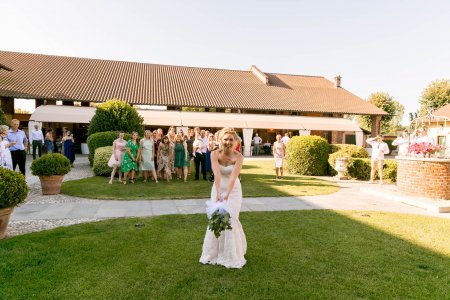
(63, 114)
(74, 114)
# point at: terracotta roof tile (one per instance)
(82, 79)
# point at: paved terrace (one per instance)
(45, 212)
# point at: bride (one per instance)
(229, 249)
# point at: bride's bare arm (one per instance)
(234, 175)
(216, 170)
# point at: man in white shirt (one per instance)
(199, 149)
(379, 149)
(285, 138)
(37, 140)
(256, 144)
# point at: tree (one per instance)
(435, 95)
(389, 123)
(116, 115)
(3, 120)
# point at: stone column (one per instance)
(376, 125)
(248, 133)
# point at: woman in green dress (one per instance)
(147, 156)
(130, 158)
(181, 156)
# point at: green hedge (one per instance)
(101, 158)
(13, 188)
(359, 168)
(344, 150)
(102, 139)
(50, 164)
(307, 155)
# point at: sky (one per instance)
(397, 47)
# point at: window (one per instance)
(24, 106)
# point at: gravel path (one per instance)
(81, 169)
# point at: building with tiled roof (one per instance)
(48, 78)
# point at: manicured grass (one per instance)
(297, 254)
(258, 180)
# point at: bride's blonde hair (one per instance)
(229, 130)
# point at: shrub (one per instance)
(359, 168)
(307, 155)
(50, 164)
(102, 139)
(116, 115)
(101, 158)
(344, 150)
(3, 120)
(13, 188)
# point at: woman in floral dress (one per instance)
(115, 161)
(130, 158)
(163, 158)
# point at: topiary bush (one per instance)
(116, 115)
(101, 158)
(359, 168)
(50, 164)
(102, 139)
(13, 188)
(344, 150)
(307, 155)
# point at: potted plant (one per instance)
(51, 169)
(13, 191)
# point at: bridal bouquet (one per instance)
(219, 217)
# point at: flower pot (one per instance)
(51, 185)
(5, 213)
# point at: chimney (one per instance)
(337, 81)
(260, 75)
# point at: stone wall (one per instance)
(423, 177)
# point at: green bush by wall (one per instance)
(359, 168)
(307, 155)
(101, 158)
(102, 139)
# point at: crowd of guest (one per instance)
(156, 156)
(164, 156)
(14, 144)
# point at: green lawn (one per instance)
(258, 180)
(315, 254)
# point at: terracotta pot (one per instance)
(5, 213)
(51, 185)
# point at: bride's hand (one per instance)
(225, 197)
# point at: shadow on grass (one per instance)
(303, 254)
(258, 180)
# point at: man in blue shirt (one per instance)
(18, 153)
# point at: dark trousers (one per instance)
(200, 159)
(38, 145)
(19, 157)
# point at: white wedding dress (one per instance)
(229, 249)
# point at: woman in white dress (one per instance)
(5, 154)
(229, 249)
(279, 149)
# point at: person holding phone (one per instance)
(379, 149)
